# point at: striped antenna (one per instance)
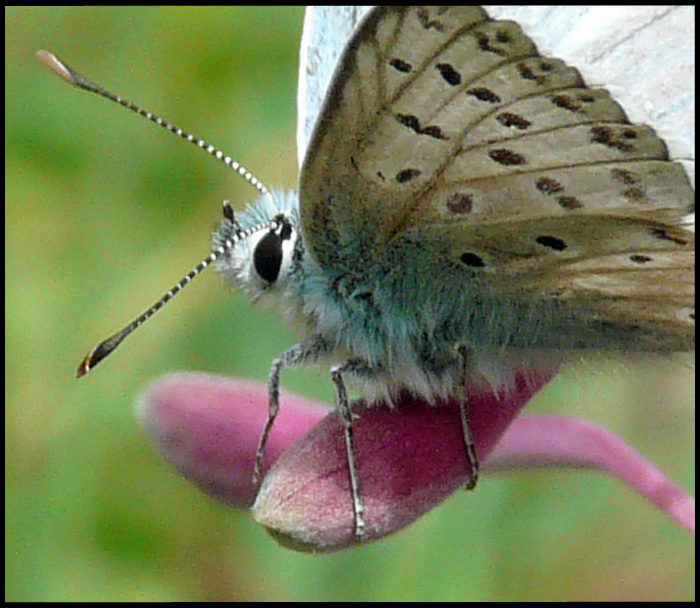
(106, 347)
(109, 345)
(69, 75)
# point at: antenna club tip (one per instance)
(56, 66)
(85, 365)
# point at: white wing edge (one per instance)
(645, 56)
(326, 29)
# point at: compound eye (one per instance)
(267, 257)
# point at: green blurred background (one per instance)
(104, 212)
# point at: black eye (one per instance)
(267, 257)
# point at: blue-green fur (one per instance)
(405, 315)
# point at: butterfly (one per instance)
(466, 207)
(460, 190)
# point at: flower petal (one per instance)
(557, 441)
(209, 427)
(410, 458)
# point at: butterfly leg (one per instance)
(469, 447)
(308, 351)
(360, 368)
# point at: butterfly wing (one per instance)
(644, 54)
(341, 224)
(448, 129)
(326, 28)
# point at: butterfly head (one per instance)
(263, 246)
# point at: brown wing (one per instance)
(445, 127)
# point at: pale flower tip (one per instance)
(410, 459)
(208, 427)
(305, 501)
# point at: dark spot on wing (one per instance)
(508, 119)
(434, 131)
(636, 195)
(640, 259)
(472, 260)
(412, 122)
(506, 157)
(663, 235)
(503, 36)
(547, 185)
(601, 134)
(526, 73)
(567, 102)
(427, 22)
(484, 94)
(625, 176)
(451, 76)
(400, 65)
(569, 203)
(459, 202)
(552, 242)
(407, 175)
(484, 43)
